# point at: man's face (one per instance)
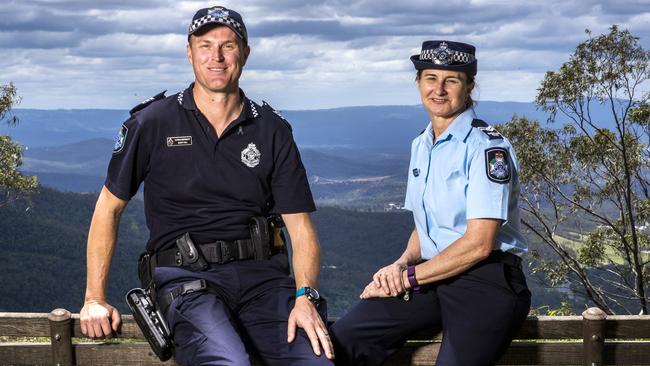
(217, 58)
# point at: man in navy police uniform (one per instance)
(211, 159)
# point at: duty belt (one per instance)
(218, 252)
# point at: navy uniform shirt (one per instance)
(198, 183)
(470, 172)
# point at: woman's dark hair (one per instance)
(469, 103)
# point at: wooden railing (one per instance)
(592, 339)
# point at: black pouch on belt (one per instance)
(145, 270)
(259, 228)
(190, 254)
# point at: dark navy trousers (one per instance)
(479, 311)
(248, 314)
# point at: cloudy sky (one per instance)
(304, 54)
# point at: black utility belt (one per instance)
(198, 256)
(219, 252)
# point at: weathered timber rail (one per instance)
(592, 339)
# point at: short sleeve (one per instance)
(490, 183)
(129, 163)
(289, 184)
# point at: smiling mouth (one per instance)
(216, 69)
(436, 100)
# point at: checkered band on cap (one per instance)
(219, 15)
(446, 57)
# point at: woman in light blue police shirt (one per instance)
(461, 270)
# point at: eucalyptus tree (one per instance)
(592, 176)
(12, 182)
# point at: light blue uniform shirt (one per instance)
(463, 176)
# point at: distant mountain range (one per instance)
(379, 128)
(355, 157)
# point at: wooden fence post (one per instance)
(593, 333)
(61, 337)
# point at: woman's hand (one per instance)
(387, 281)
(372, 290)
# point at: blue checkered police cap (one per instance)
(446, 55)
(219, 15)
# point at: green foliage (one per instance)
(592, 252)
(11, 181)
(8, 99)
(590, 176)
(563, 310)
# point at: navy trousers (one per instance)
(248, 314)
(479, 311)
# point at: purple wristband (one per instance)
(410, 272)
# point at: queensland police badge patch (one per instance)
(251, 156)
(497, 165)
(120, 139)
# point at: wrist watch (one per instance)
(311, 293)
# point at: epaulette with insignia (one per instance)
(487, 129)
(268, 107)
(146, 102)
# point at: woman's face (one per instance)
(444, 93)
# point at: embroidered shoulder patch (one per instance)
(497, 165)
(487, 129)
(120, 139)
(146, 102)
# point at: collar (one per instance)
(250, 111)
(459, 128)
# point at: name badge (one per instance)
(179, 141)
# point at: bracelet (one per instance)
(407, 292)
(410, 271)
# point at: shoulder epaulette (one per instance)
(145, 103)
(268, 107)
(487, 129)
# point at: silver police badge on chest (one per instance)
(251, 156)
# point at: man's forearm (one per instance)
(102, 237)
(305, 249)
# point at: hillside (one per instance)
(44, 241)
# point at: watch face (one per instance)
(312, 294)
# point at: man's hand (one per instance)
(389, 280)
(99, 319)
(304, 315)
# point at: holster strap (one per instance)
(193, 286)
(218, 252)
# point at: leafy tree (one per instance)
(592, 179)
(11, 181)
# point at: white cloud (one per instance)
(305, 54)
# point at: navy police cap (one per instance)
(446, 55)
(221, 16)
